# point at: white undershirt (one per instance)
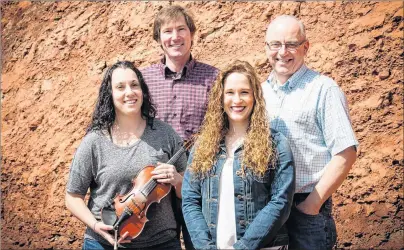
(226, 219)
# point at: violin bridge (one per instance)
(138, 204)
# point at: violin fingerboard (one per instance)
(176, 156)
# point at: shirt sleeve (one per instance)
(81, 176)
(192, 210)
(335, 121)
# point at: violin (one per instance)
(127, 213)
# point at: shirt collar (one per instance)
(177, 75)
(292, 81)
(222, 146)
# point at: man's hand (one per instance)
(308, 208)
(336, 171)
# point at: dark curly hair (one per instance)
(104, 112)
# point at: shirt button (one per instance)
(175, 97)
(174, 115)
(238, 172)
(240, 197)
(242, 222)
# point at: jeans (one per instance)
(275, 248)
(90, 244)
(311, 231)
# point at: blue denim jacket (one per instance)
(262, 204)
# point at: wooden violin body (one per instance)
(138, 202)
(127, 213)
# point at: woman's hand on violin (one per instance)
(102, 229)
(166, 173)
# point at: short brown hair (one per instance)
(169, 13)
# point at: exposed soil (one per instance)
(54, 54)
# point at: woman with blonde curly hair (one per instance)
(238, 188)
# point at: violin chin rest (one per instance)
(108, 216)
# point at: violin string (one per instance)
(176, 156)
(145, 188)
(149, 186)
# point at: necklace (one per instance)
(122, 138)
(232, 143)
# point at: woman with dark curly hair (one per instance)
(238, 188)
(121, 140)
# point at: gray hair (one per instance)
(290, 17)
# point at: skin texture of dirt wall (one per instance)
(54, 55)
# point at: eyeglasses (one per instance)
(275, 46)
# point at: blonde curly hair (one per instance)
(258, 153)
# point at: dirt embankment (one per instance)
(53, 55)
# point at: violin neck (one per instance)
(176, 156)
(148, 187)
(152, 183)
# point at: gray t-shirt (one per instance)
(108, 170)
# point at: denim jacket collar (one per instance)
(223, 149)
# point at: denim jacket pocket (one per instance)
(257, 193)
(259, 186)
(257, 178)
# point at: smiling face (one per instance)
(127, 94)
(238, 99)
(285, 62)
(176, 39)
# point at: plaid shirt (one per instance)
(181, 98)
(312, 112)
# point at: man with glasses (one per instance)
(312, 112)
